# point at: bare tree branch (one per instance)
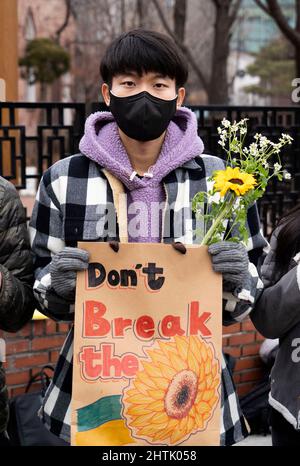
(123, 17)
(275, 11)
(234, 12)
(298, 15)
(180, 19)
(66, 21)
(109, 16)
(183, 47)
(286, 29)
(142, 11)
(263, 6)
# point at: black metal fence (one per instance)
(38, 134)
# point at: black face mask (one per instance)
(142, 116)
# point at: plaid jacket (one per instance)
(71, 205)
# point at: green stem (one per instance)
(231, 228)
(222, 215)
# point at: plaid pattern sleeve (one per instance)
(233, 426)
(55, 412)
(45, 236)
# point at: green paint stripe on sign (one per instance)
(101, 411)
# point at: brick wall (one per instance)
(28, 350)
(243, 342)
(38, 343)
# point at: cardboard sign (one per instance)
(147, 349)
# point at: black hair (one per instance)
(288, 241)
(144, 51)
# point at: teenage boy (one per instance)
(146, 147)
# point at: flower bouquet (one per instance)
(223, 208)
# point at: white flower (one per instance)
(277, 148)
(235, 148)
(287, 175)
(223, 137)
(254, 149)
(263, 142)
(243, 131)
(236, 205)
(222, 131)
(216, 197)
(226, 123)
(266, 165)
(286, 138)
(277, 167)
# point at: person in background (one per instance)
(16, 279)
(277, 315)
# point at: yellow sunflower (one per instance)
(233, 179)
(175, 394)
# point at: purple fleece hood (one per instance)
(101, 142)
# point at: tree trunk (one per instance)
(184, 49)
(123, 21)
(180, 19)
(297, 47)
(297, 61)
(44, 92)
(218, 86)
(142, 11)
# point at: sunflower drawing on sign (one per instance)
(175, 394)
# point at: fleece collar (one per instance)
(101, 143)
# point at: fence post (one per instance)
(8, 70)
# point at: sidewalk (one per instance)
(255, 441)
